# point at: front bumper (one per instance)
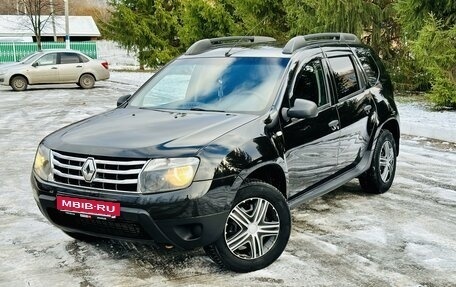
(188, 218)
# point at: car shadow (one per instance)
(66, 87)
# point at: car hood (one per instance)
(141, 133)
(6, 67)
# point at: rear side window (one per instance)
(83, 59)
(369, 65)
(345, 75)
(69, 58)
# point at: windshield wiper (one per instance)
(205, 110)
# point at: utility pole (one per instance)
(53, 19)
(67, 26)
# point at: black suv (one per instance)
(218, 145)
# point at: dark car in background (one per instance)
(217, 146)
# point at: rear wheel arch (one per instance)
(87, 80)
(88, 73)
(392, 126)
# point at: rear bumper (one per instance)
(102, 75)
(187, 219)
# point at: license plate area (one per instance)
(88, 207)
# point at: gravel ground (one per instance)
(406, 237)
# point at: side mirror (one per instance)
(123, 99)
(35, 64)
(303, 109)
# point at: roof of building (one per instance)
(19, 26)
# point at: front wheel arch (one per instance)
(15, 75)
(19, 75)
(272, 174)
(277, 227)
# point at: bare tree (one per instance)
(38, 13)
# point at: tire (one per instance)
(86, 81)
(380, 176)
(260, 205)
(19, 83)
(82, 237)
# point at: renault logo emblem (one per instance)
(89, 169)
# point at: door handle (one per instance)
(54, 68)
(78, 66)
(334, 125)
(367, 109)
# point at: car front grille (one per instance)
(112, 174)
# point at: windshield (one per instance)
(213, 84)
(31, 58)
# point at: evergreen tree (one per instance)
(371, 20)
(414, 13)
(203, 19)
(430, 39)
(435, 51)
(260, 17)
(148, 27)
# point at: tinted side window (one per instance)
(310, 84)
(345, 75)
(369, 65)
(69, 58)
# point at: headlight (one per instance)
(167, 174)
(42, 164)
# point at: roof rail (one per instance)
(207, 44)
(301, 41)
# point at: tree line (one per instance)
(416, 38)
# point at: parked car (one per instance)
(216, 147)
(54, 67)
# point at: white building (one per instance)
(18, 28)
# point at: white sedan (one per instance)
(54, 67)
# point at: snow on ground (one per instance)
(131, 78)
(405, 237)
(419, 120)
(117, 57)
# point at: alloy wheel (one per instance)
(252, 228)
(386, 161)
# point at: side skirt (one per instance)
(332, 184)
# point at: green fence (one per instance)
(14, 51)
